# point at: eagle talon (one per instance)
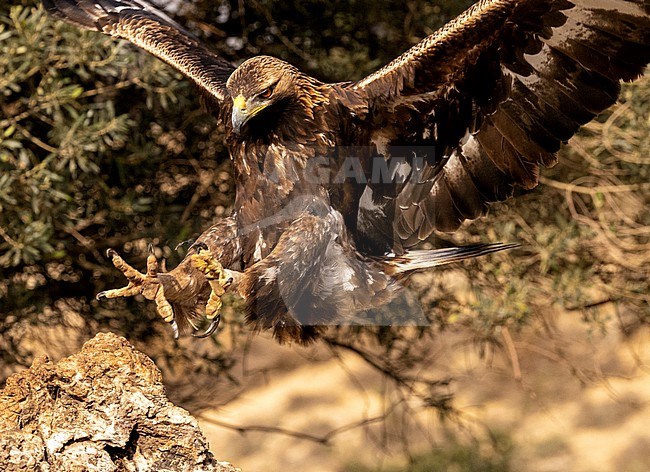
(146, 284)
(174, 326)
(184, 243)
(214, 325)
(199, 246)
(214, 272)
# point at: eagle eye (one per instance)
(266, 93)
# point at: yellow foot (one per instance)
(204, 261)
(146, 285)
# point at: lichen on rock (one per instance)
(103, 409)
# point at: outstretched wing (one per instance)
(152, 30)
(490, 97)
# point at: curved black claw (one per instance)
(200, 246)
(214, 324)
(174, 326)
(184, 243)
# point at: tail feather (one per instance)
(427, 259)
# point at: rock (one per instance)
(103, 409)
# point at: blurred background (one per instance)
(536, 359)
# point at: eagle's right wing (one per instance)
(152, 30)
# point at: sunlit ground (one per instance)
(580, 404)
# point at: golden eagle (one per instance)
(336, 182)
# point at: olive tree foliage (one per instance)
(103, 146)
(77, 174)
(100, 146)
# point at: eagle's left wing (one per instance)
(490, 97)
(152, 30)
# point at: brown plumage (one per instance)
(337, 182)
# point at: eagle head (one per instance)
(265, 82)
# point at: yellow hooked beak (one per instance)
(242, 111)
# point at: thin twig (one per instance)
(390, 373)
(593, 190)
(512, 351)
(590, 305)
(325, 440)
(268, 429)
